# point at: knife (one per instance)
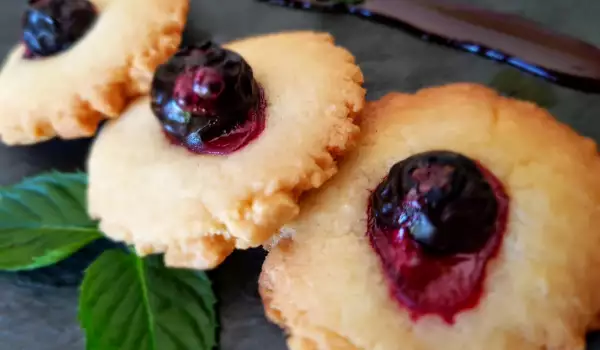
(502, 37)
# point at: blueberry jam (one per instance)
(53, 26)
(435, 221)
(207, 100)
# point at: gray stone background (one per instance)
(38, 309)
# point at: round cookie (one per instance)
(68, 93)
(331, 283)
(152, 192)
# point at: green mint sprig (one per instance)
(129, 303)
(43, 220)
(126, 302)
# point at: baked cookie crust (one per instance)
(197, 208)
(326, 287)
(67, 95)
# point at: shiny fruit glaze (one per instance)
(435, 222)
(53, 26)
(207, 100)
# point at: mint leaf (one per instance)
(44, 220)
(129, 303)
(513, 83)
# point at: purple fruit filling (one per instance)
(53, 26)
(435, 221)
(207, 100)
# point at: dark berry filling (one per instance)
(207, 100)
(53, 26)
(435, 221)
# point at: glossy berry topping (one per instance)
(435, 221)
(207, 100)
(53, 26)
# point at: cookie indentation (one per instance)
(435, 222)
(53, 26)
(207, 100)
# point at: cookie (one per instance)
(217, 156)
(81, 62)
(462, 220)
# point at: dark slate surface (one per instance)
(38, 309)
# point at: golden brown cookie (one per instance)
(49, 88)
(462, 220)
(168, 184)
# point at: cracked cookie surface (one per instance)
(68, 94)
(326, 287)
(196, 208)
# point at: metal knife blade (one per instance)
(503, 37)
(510, 34)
